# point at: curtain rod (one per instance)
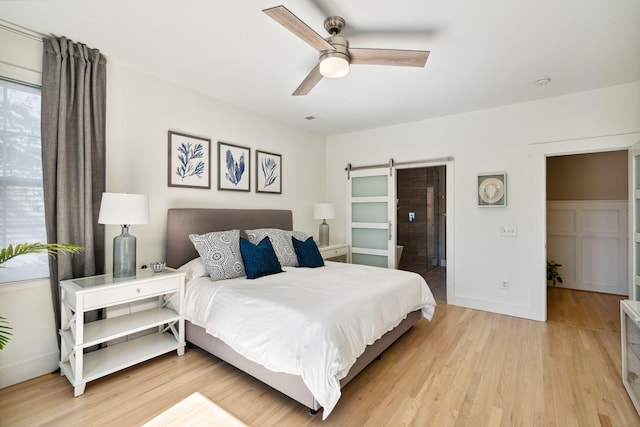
(392, 163)
(21, 31)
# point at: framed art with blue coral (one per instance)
(268, 172)
(189, 161)
(233, 167)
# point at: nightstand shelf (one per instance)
(108, 329)
(164, 323)
(117, 357)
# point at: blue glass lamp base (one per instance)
(124, 254)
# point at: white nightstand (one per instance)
(90, 293)
(336, 252)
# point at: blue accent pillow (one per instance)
(259, 260)
(307, 252)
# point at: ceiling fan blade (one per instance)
(291, 22)
(397, 57)
(309, 82)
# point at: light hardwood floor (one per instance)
(464, 368)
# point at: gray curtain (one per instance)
(73, 157)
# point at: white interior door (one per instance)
(371, 216)
(634, 222)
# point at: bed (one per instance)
(293, 383)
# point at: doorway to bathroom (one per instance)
(421, 225)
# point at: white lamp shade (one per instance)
(124, 209)
(334, 67)
(324, 211)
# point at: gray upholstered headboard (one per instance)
(182, 222)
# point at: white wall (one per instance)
(514, 139)
(140, 111)
(590, 238)
(33, 349)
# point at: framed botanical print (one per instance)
(233, 167)
(189, 161)
(492, 190)
(268, 172)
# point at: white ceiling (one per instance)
(483, 53)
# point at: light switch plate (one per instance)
(509, 231)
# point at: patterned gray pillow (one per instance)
(281, 242)
(220, 252)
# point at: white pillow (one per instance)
(281, 242)
(194, 269)
(220, 252)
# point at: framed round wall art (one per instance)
(492, 190)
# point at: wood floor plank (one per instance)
(465, 367)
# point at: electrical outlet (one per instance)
(504, 284)
(412, 216)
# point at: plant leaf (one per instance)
(269, 171)
(230, 174)
(4, 332)
(28, 248)
(240, 169)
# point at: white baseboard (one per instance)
(28, 369)
(497, 307)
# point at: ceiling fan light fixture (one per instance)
(335, 55)
(334, 65)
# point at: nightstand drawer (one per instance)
(336, 252)
(121, 294)
(330, 253)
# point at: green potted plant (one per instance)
(23, 249)
(552, 272)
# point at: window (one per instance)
(21, 195)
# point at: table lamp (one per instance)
(124, 209)
(324, 211)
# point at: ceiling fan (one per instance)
(335, 53)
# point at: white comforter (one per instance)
(308, 322)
